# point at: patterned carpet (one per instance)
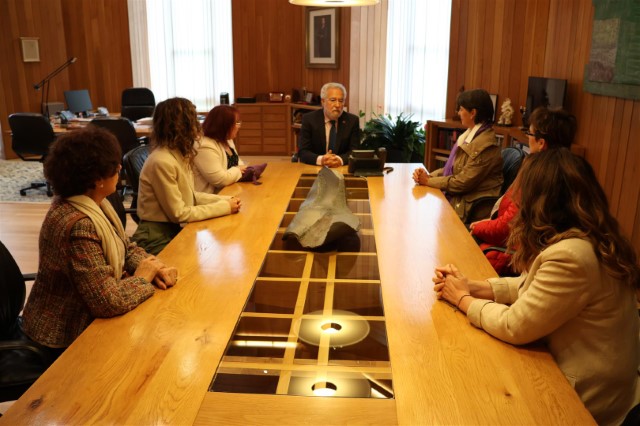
(15, 175)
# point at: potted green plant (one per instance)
(402, 138)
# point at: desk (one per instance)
(141, 129)
(154, 364)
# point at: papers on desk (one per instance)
(146, 121)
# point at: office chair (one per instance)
(22, 360)
(123, 129)
(137, 103)
(125, 132)
(133, 162)
(511, 161)
(31, 135)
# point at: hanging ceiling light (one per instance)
(334, 3)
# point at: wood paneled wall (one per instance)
(269, 49)
(96, 32)
(497, 44)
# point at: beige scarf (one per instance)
(108, 227)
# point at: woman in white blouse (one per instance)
(218, 163)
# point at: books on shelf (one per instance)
(440, 161)
(448, 137)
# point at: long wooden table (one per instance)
(154, 364)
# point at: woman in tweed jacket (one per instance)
(88, 268)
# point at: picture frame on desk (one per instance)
(322, 38)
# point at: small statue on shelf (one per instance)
(506, 114)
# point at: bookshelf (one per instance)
(296, 111)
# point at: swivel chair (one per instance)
(123, 129)
(125, 132)
(137, 103)
(511, 161)
(133, 162)
(22, 361)
(31, 135)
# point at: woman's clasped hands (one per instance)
(450, 284)
(421, 176)
(153, 270)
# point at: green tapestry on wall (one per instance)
(614, 61)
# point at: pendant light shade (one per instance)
(334, 3)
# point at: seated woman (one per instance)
(166, 195)
(548, 129)
(577, 291)
(88, 268)
(217, 163)
(474, 167)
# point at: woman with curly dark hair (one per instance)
(88, 268)
(578, 288)
(166, 194)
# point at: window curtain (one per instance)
(368, 57)
(417, 62)
(139, 43)
(189, 49)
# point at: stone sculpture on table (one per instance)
(324, 216)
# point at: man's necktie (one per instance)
(332, 136)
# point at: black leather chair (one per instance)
(511, 161)
(22, 361)
(125, 132)
(31, 135)
(123, 129)
(133, 162)
(137, 103)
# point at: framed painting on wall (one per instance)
(30, 49)
(322, 40)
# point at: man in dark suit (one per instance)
(328, 136)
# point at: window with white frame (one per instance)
(186, 47)
(417, 62)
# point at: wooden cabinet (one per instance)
(270, 128)
(264, 129)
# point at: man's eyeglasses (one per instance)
(336, 100)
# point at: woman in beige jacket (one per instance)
(577, 291)
(166, 195)
(474, 167)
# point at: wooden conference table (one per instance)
(154, 365)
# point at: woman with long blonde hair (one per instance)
(578, 287)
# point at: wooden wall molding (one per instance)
(269, 49)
